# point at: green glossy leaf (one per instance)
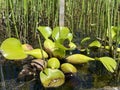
(52, 77)
(109, 63)
(49, 45)
(53, 63)
(12, 49)
(60, 53)
(118, 39)
(37, 53)
(68, 68)
(113, 31)
(58, 45)
(78, 59)
(106, 47)
(45, 31)
(95, 43)
(85, 40)
(27, 47)
(60, 32)
(70, 36)
(118, 49)
(72, 45)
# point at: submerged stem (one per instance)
(2, 78)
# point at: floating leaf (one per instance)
(12, 49)
(109, 63)
(45, 31)
(53, 63)
(68, 68)
(95, 43)
(78, 59)
(27, 47)
(49, 45)
(106, 47)
(85, 40)
(70, 36)
(72, 45)
(60, 32)
(118, 49)
(37, 53)
(60, 53)
(60, 46)
(52, 77)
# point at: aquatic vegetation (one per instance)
(46, 31)
(60, 42)
(27, 47)
(52, 62)
(95, 43)
(96, 18)
(49, 46)
(52, 77)
(68, 68)
(109, 63)
(11, 48)
(114, 31)
(37, 53)
(78, 58)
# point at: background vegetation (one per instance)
(20, 18)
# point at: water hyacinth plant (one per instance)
(15, 51)
(56, 43)
(52, 77)
(59, 35)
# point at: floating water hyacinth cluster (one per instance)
(48, 60)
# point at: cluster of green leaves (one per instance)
(57, 41)
(109, 63)
(56, 47)
(114, 34)
(12, 49)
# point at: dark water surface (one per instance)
(79, 81)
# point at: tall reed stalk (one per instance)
(23, 16)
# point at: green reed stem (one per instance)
(13, 17)
(25, 19)
(8, 30)
(56, 14)
(40, 44)
(109, 22)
